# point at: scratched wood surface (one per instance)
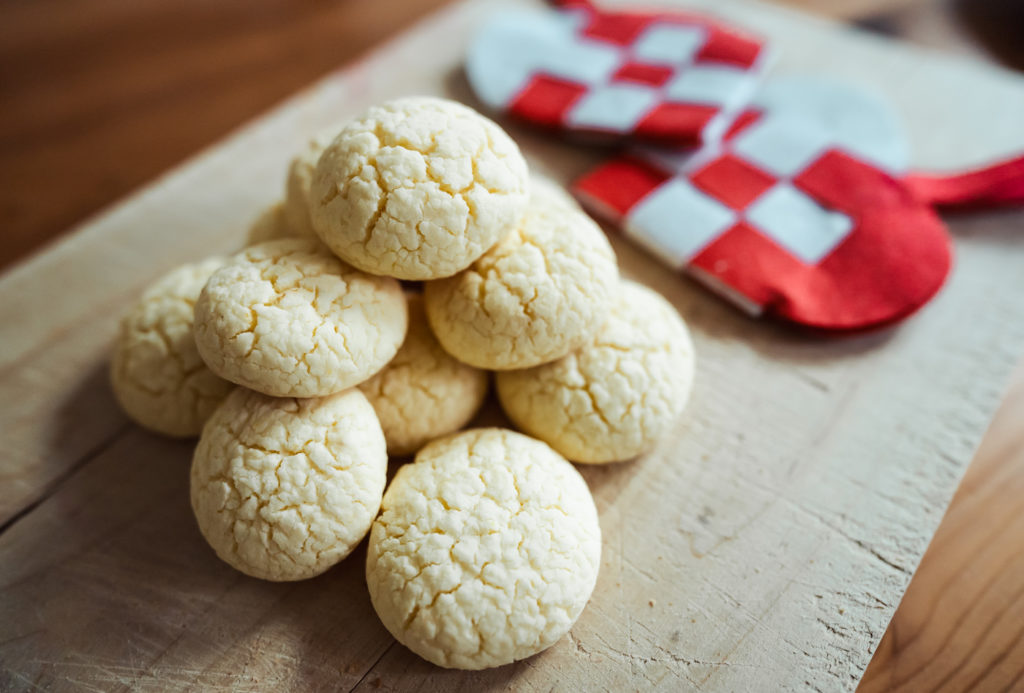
(960, 627)
(764, 546)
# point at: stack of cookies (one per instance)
(302, 364)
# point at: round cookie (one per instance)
(283, 489)
(417, 188)
(287, 318)
(300, 179)
(486, 550)
(616, 396)
(423, 393)
(156, 373)
(271, 225)
(532, 298)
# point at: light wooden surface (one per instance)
(960, 626)
(80, 85)
(766, 546)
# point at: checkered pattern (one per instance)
(748, 183)
(668, 78)
(790, 214)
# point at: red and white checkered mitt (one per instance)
(664, 77)
(802, 211)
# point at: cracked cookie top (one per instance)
(417, 188)
(541, 292)
(486, 550)
(283, 489)
(287, 318)
(423, 393)
(156, 372)
(613, 398)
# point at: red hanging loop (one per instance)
(573, 3)
(996, 185)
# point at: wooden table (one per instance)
(83, 520)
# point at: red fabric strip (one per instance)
(572, 3)
(992, 186)
(546, 100)
(617, 185)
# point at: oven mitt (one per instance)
(661, 76)
(803, 211)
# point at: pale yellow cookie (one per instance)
(287, 318)
(271, 225)
(423, 393)
(534, 297)
(486, 550)
(616, 396)
(156, 373)
(283, 489)
(300, 179)
(417, 188)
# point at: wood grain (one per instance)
(100, 97)
(960, 626)
(176, 619)
(777, 538)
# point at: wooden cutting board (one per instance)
(764, 546)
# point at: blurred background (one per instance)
(100, 96)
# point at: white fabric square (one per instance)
(715, 85)
(783, 145)
(617, 107)
(860, 122)
(798, 223)
(677, 221)
(670, 44)
(504, 61)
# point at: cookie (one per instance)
(300, 179)
(283, 489)
(288, 319)
(615, 397)
(486, 550)
(423, 393)
(156, 373)
(271, 225)
(534, 297)
(417, 188)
